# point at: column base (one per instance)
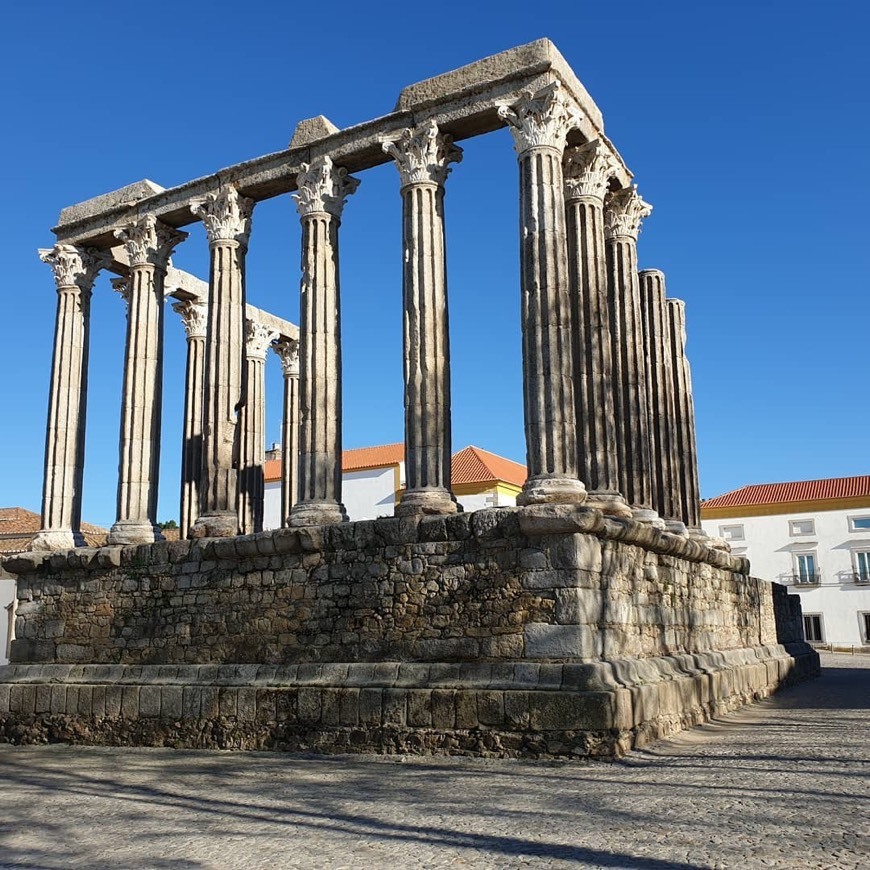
(677, 527)
(552, 490)
(647, 516)
(56, 539)
(426, 502)
(133, 532)
(609, 502)
(216, 524)
(317, 513)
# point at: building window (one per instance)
(731, 533)
(805, 569)
(862, 567)
(859, 524)
(801, 527)
(865, 627)
(813, 627)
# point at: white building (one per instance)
(813, 536)
(373, 479)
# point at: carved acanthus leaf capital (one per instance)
(288, 352)
(194, 316)
(540, 119)
(226, 215)
(423, 155)
(588, 169)
(149, 242)
(75, 266)
(258, 338)
(323, 187)
(122, 287)
(624, 210)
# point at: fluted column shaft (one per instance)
(539, 124)
(252, 430)
(623, 213)
(660, 393)
(288, 351)
(74, 271)
(193, 315)
(422, 157)
(588, 170)
(686, 453)
(322, 189)
(148, 245)
(226, 216)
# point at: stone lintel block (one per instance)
(124, 196)
(545, 641)
(312, 129)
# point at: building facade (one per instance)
(813, 536)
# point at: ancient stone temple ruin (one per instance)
(589, 619)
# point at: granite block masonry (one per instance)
(547, 630)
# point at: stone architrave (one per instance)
(624, 210)
(422, 157)
(148, 244)
(75, 269)
(322, 189)
(686, 453)
(539, 123)
(193, 315)
(288, 352)
(227, 218)
(588, 170)
(252, 428)
(660, 392)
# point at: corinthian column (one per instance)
(288, 352)
(74, 272)
(588, 170)
(148, 244)
(660, 394)
(227, 219)
(540, 122)
(322, 191)
(624, 211)
(686, 454)
(423, 157)
(193, 316)
(252, 428)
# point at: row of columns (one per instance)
(606, 385)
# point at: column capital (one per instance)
(258, 338)
(287, 350)
(540, 119)
(323, 187)
(75, 266)
(193, 316)
(149, 242)
(226, 215)
(422, 154)
(623, 213)
(122, 287)
(588, 169)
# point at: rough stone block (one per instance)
(228, 701)
(466, 709)
(516, 710)
(370, 706)
(246, 699)
(210, 702)
(349, 707)
(98, 702)
(560, 641)
(419, 708)
(112, 700)
(286, 705)
(129, 702)
(171, 702)
(58, 700)
(394, 704)
(563, 711)
(309, 702)
(149, 701)
(43, 699)
(490, 708)
(443, 708)
(575, 606)
(330, 713)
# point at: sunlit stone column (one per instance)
(74, 270)
(686, 453)
(660, 394)
(252, 428)
(588, 170)
(148, 244)
(193, 316)
(623, 213)
(227, 219)
(539, 123)
(322, 191)
(423, 156)
(288, 352)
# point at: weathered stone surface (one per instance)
(312, 129)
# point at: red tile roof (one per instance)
(372, 457)
(798, 490)
(18, 527)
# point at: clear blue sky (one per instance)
(746, 125)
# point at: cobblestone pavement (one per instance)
(782, 784)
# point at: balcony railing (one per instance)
(861, 576)
(807, 579)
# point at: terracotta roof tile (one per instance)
(372, 457)
(798, 490)
(18, 526)
(473, 465)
